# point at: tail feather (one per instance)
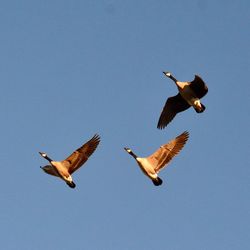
(157, 182)
(200, 110)
(71, 184)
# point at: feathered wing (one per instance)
(173, 105)
(167, 152)
(199, 87)
(49, 170)
(81, 155)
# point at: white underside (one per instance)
(147, 168)
(68, 179)
(190, 97)
(62, 172)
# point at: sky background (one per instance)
(70, 69)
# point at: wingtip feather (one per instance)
(96, 137)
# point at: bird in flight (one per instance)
(189, 95)
(64, 169)
(154, 163)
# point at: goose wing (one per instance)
(49, 170)
(167, 152)
(81, 155)
(173, 105)
(199, 87)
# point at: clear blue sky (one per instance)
(70, 69)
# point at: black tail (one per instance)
(200, 110)
(157, 182)
(71, 184)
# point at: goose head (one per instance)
(169, 75)
(44, 155)
(130, 152)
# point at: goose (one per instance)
(64, 169)
(154, 163)
(189, 95)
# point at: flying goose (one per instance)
(189, 94)
(64, 169)
(154, 163)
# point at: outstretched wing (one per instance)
(50, 170)
(173, 105)
(166, 152)
(81, 155)
(199, 87)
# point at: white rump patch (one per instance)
(69, 178)
(197, 103)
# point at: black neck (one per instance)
(171, 77)
(47, 158)
(133, 154)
